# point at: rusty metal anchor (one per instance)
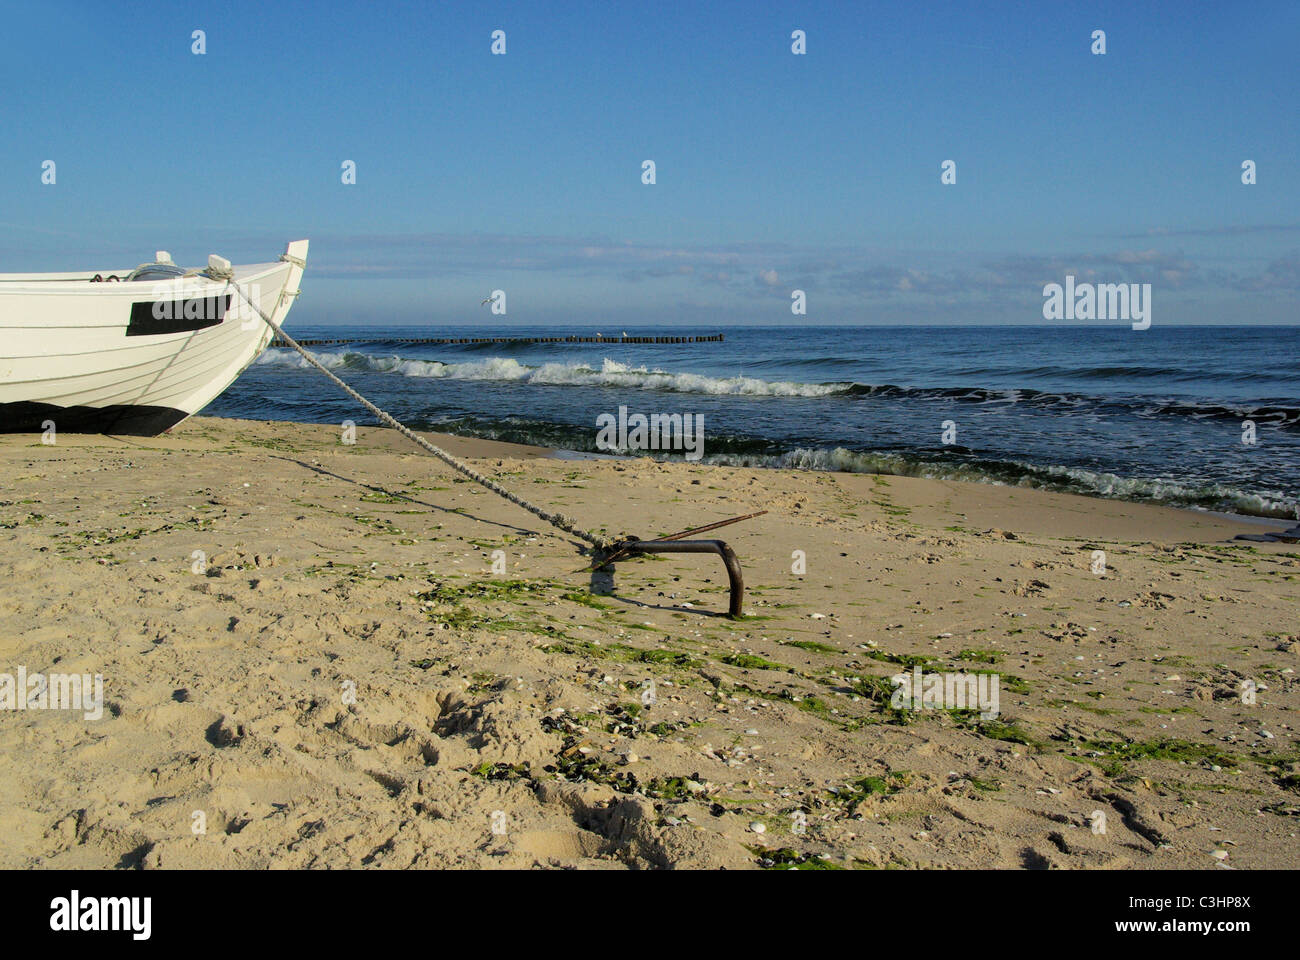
(674, 543)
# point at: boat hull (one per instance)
(120, 419)
(131, 358)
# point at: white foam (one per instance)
(1069, 479)
(611, 374)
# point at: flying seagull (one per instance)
(488, 300)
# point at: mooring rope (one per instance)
(559, 520)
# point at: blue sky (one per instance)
(774, 171)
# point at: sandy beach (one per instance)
(309, 660)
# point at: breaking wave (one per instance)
(611, 373)
(1207, 496)
(950, 464)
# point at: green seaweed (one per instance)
(586, 599)
(864, 788)
(812, 645)
(749, 661)
(787, 858)
(1113, 756)
(502, 771)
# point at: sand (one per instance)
(340, 678)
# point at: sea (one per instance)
(1201, 417)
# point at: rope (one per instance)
(559, 520)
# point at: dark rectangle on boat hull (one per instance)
(150, 318)
(121, 419)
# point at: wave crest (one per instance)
(1207, 496)
(610, 374)
(1278, 414)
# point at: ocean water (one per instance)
(1156, 415)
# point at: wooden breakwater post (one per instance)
(715, 338)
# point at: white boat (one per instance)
(133, 352)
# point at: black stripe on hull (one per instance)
(152, 319)
(121, 419)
